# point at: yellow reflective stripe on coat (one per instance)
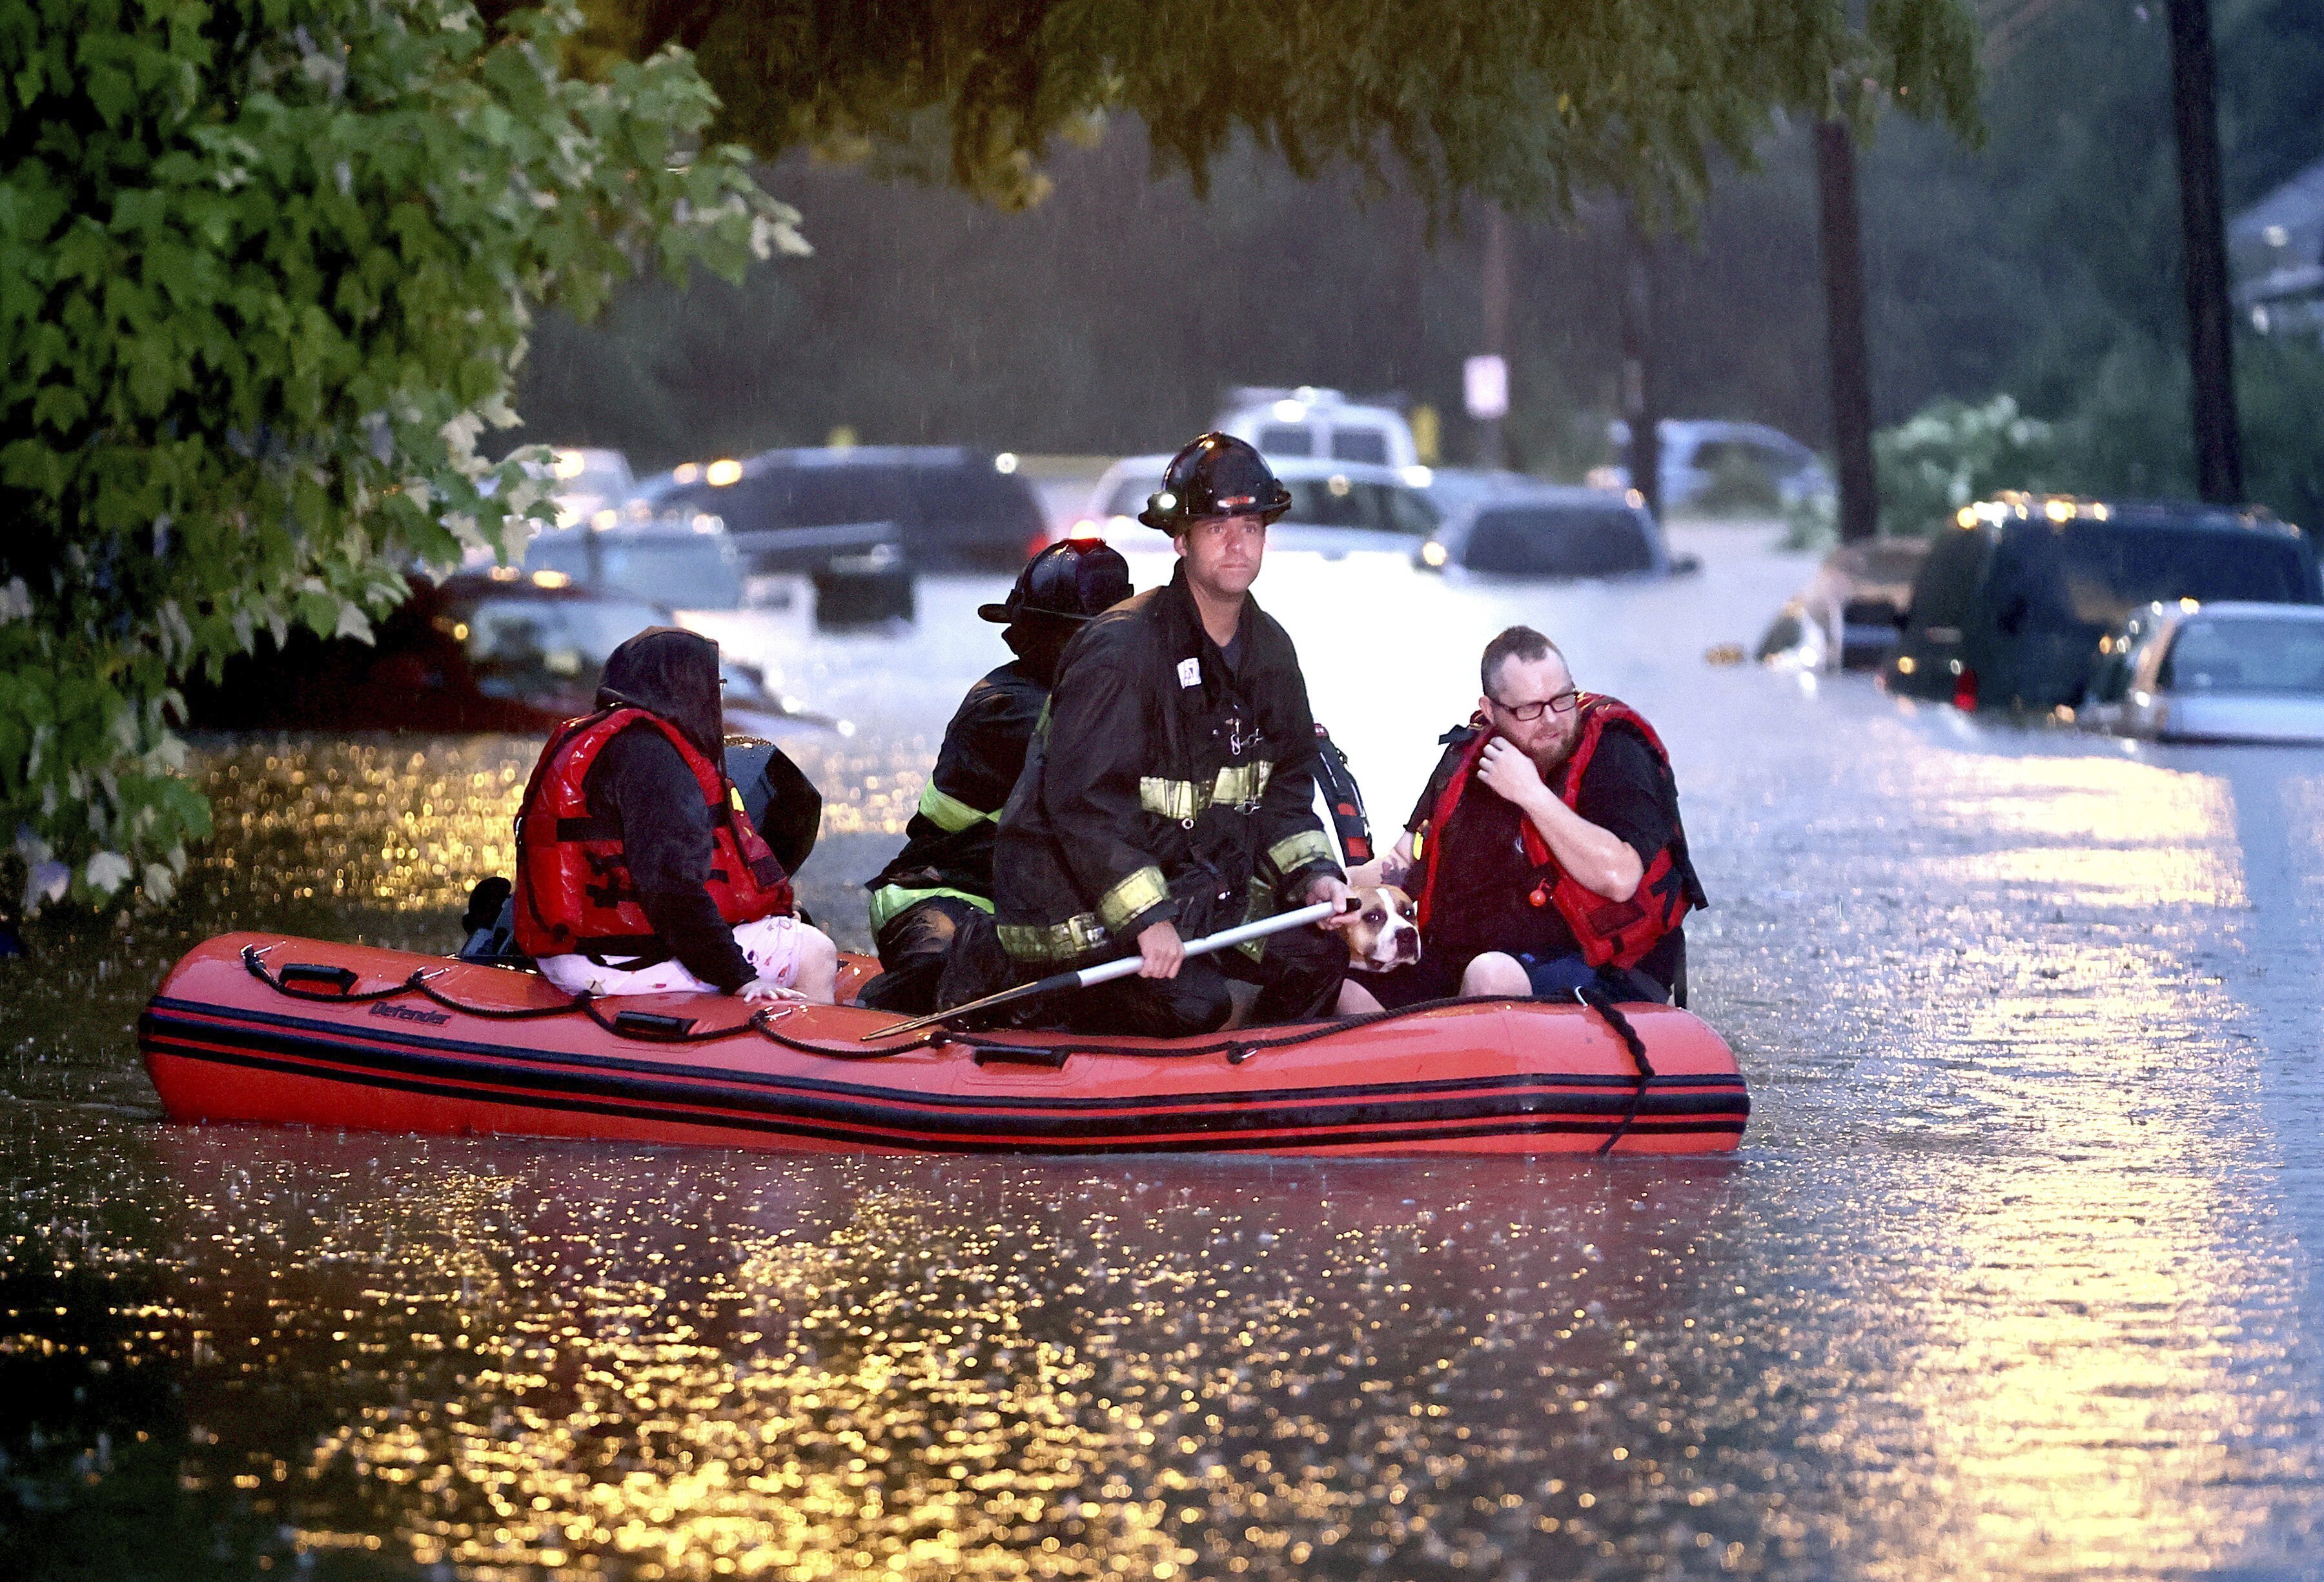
(1079, 936)
(892, 899)
(1172, 799)
(1239, 787)
(1294, 852)
(1143, 889)
(947, 812)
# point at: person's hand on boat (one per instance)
(1510, 774)
(768, 989)
(1324, 888)
(1160, 951)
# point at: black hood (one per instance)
(673, 674)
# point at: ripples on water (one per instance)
(2013, 1278)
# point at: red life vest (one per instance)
(573, 886)
(1619, 931)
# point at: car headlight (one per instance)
(1434, 554)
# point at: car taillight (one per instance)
(1965, 691)
(1037, 543)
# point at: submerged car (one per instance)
(2009, 608)
(1552, 532)
(1850, 616)
(1337, 508)
(2229, 671)
(501, 650)
(923, 508)
(1702, 457)
(1315, 424)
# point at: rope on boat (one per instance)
(646, 1027)
(1596, 998)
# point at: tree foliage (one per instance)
(266, 270)
(1525, 103)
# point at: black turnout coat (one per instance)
(1160, 786)
(948, 843)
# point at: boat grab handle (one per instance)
(342, 979)
(1050, 1057)
(648, 1025)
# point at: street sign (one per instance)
(1485, 386)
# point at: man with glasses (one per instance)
(1573, 870)
(1168, 791)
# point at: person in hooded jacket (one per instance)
(638, 871)
(942, 881)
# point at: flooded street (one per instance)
(2014, 1276)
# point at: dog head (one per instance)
(1383, 934)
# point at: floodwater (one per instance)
(2014, 1276)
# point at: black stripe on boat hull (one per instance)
(1236, 1124)
(392, 1049)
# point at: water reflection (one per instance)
(690, 1365)
(2016, 1277)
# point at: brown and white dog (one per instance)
(1383, 936)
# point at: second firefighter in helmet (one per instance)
(1169, 792)
(943, 878)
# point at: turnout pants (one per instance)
(912, 950)
(1298, 978)
(1297, 972)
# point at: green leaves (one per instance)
(1526, 103)
(266, 269)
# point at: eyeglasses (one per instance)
(1564, 703)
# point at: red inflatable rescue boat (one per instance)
(260, 1027)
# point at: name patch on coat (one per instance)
(1190, 672)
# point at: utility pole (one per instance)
(1850, 360)
(1641, 412)
(2211, 346)
(1493, 283)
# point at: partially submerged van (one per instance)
(1311, 421)
(2009, 606)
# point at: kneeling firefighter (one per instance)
(637, 870)
(942, 879)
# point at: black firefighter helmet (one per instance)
(1217, 475)
(1065, 583)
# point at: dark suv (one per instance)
(951, 508)
(2009, 609)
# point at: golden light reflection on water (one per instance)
(692, 1365)
(832, 1427)
(409, 824)
(2094, 828)
(2083, 1386)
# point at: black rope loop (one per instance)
(1594, 996)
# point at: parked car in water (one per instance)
(501, 650)
(1337, 508)
(935, 508)
(1315, 424)
(2228, 671)
(1702, 457)
(686, 563)
(1850, 616)
(1550, 530)
(584, 481)
(2009, 607)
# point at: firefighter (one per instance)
(942, 879)
(638, 873)
(1170, 792)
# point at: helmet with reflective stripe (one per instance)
(1217, 475)
(1066, 582)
